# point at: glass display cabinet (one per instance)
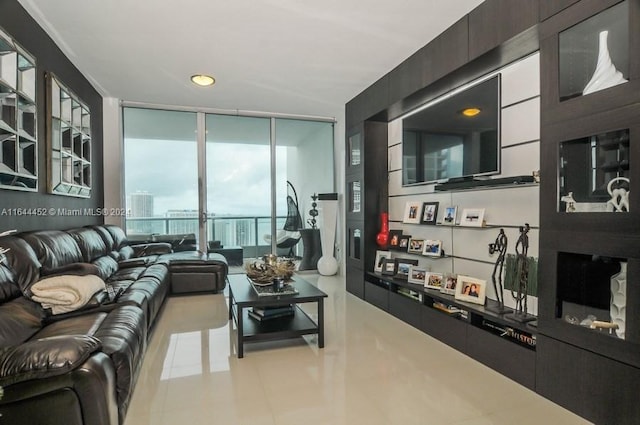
(69, 141)
(594, 54)
(18, 129)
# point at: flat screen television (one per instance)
(443, 141)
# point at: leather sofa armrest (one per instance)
(153, 248)
(44, 358)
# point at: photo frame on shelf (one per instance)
(472, 217)
(403, 265)
(394, 239)
(415, 246)
(417, 275)
(471, 290)
(412, 212)
(403, 244)
(432, 248)
(449, 284)
(380, 257)
(450, 215)
(388, 267)
(429, 212)
(433, 281)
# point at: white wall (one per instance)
(508, 207)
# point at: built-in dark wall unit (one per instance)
(589, 372)
(15, 205)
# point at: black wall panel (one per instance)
(49, 58)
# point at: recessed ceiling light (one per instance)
(470, 112)
(203, 80)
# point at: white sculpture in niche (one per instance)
(606, 75)
(618, 305)
(570, 202)
(619, 201)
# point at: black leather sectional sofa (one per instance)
(80, 367)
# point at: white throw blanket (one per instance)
(66, 292)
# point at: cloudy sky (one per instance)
(237, 176)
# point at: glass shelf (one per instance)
(580, 50)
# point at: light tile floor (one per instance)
(374, 370)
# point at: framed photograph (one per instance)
(471, 289)
(388, 266)
(415, 246)
(429, 212)
(417, 275)
(394, 238)
(473, 217)
(432, 248)
(412, 212)
(449, 284)
(380, 256)
(403, 265)
(403, 245)
(450, 216)
(433, 280)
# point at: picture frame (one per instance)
(403, 244)
(417, 275)
(429, 213)
(472, 217)
(432, 248)
(471, 290)
(380, 256)
(433, 281)
(394, 239)
(450, 281)
(450, 215)
(415, 246)
(412, 212)
(403, 265)
(388, 267)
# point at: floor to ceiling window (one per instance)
(246, 159)
(161, 176)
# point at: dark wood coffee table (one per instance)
(243, 297)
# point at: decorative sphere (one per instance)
(327, 266)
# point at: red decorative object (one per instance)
(382, 239)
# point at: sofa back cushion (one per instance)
(106, 237)
(54, 249)
(9, 289)
(90, 242)
(20, 319)
(118, 235)
(21, 266)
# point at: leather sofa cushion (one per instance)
(8, 287)
(90, 242)
(20, 319)
(123, 335)
(54, 249)
(85, 324)
(118, 236)
(22, 260)
(106, 267)
(44, 358)
(106, 237)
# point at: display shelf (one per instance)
(69, 141)
(18, 128)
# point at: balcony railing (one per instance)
(247, 232)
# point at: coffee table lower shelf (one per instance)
(242, 299)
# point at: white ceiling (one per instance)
(281, 56)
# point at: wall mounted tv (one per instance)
(444, 141)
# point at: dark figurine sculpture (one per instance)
(500, 247)
(313, 212)
(522, 275)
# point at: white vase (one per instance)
(606, 75)
(618, 306)
(327, 264)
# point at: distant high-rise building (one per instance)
(141, 206)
